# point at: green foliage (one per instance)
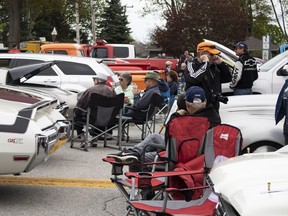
(113, 25)
(199, 20)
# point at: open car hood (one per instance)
(21, 74)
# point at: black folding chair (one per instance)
(103, 115)
(146, 125)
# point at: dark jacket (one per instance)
(245, 72)
(209, 77)
(142, 103)
(208, 112)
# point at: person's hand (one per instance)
(204, 58)
(135, 90)
(126, 100)
(182, 112)
(217, 59)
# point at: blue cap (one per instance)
(195, 93)
(241, 44)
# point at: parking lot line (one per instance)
(61, 182)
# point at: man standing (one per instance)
(245, 71)
(208, 71)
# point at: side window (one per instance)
(71, 68)
(5, 63)
(100, 53)
(121, 52)
(60, 52)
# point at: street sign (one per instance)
(265, 55)
(266, 42)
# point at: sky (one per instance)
(140, 26)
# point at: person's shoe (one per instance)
(94, 143)
(125, 156)
(80, 138)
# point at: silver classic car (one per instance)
(30, 129)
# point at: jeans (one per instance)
(150, 152)
(246, 91)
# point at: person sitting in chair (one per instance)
(99, 87)
(195, 102)
(142, 103)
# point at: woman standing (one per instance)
(126, 88)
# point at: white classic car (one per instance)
(30, 129)
(252, 184)
(19, 76)
(254, 115)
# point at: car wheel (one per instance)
(262, 147)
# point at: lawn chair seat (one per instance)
(147, 125)
(222, 141)
(103, 115)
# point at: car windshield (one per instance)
(272, 62)
(107, 69)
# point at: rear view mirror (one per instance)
(283, 71)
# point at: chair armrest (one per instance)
(135, 109)
(80, 109)
(140, 175)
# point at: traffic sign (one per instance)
(266, 42)
(265, 55)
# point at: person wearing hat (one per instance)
(245, 71)
(99, 87)
(142, 103)
(168, 65)
(208, 71)
(195, 101)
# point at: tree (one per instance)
(198, 20)
(113, 24)
(280, 17)
(14, 22)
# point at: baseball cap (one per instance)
(241, 44)
(195, 94)
(209, 47)
(151, 75)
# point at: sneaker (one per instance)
(94, 143)
(125, 156)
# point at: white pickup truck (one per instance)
(271, 75)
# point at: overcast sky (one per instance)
(140, 26)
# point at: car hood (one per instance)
(23, 73)
(254, 184)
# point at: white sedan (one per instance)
(252, 184)
(30, 129)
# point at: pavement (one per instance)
(71, 182)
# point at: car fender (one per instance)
(255, 130)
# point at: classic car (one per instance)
(30, 129)
(19, 75)
(252, 184)
(254, 115)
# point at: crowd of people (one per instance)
(196, 85)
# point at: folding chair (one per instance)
(179, 138)
(103, 115)
(164, 108)
(222, 141)
(146, 125)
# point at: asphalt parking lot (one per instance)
(70, 182)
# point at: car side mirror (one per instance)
(283, 71)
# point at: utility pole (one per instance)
(93, 27)
(77, 23)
